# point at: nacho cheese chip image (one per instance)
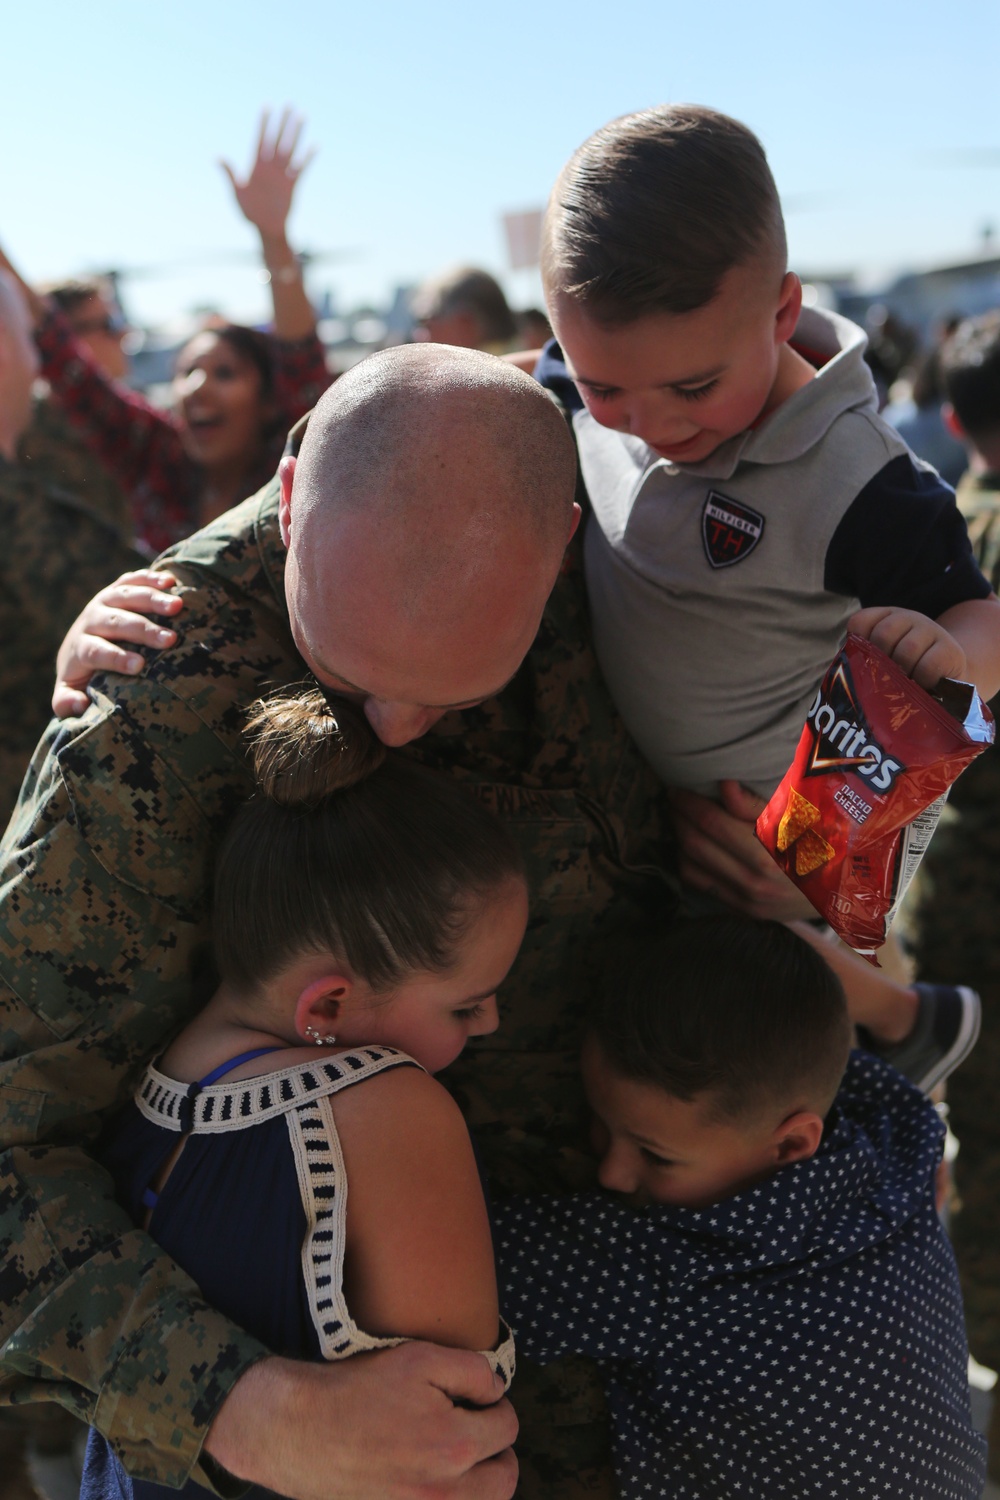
(799, 815)
(811, 851)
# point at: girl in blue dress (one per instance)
(365, 912)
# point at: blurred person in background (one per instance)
(970, 364)
(533, 328)
(919, 420)
(958, 892)
(236, 391)
(533, 332)
(91, 310)
(52, 446)
(891, 348)
(465, 307)
(57, 550)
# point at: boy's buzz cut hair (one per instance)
(653, 210)
(744, 1014)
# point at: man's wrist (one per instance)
(173, 1372)
(242, 1432)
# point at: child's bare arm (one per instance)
(975, 624)
(419, 1252)
(964, 642)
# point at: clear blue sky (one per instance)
(433, 118)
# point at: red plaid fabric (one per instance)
(140, 444)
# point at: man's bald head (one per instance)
(18, 364)
(431, 505)
(425, 427)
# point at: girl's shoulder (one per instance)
(387, 1105)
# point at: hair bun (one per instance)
(305, 746)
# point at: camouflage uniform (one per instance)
(102, 932)
(954, 918)
(54, 451)
(57, 552)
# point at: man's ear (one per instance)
(798, 1137)
(286, 473)
(789, 307)
(949, 417)
(319, 1006)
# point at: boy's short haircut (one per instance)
(742, 1012)
(653, 210)
(970, 363)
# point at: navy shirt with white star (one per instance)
(803, 1339)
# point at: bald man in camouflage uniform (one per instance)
(102, 934)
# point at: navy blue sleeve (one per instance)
(551, 372)
(903, 542)
(576, 1276)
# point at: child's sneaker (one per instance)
(944, 1034)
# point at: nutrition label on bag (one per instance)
(913, 847)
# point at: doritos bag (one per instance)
(856, 809)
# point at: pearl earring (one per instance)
(319, 1041)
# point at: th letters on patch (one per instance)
(730, 530)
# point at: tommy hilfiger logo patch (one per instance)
(730, 530)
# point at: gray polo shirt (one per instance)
(720, 591)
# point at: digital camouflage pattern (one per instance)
(53, 450)
(956, 937)
(57, 552)
(105, 886)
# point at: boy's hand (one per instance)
(922, 647)
(111, 616)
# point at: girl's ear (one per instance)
(319, 1006)
(798, 1137)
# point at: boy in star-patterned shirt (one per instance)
(770, 1293)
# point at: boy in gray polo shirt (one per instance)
(748, 504)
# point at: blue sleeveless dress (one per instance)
(254, 1210)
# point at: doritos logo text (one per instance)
(842, 739)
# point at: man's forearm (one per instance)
(97, 966)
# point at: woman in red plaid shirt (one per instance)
(236, 391)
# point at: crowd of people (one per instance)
(443, 717)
